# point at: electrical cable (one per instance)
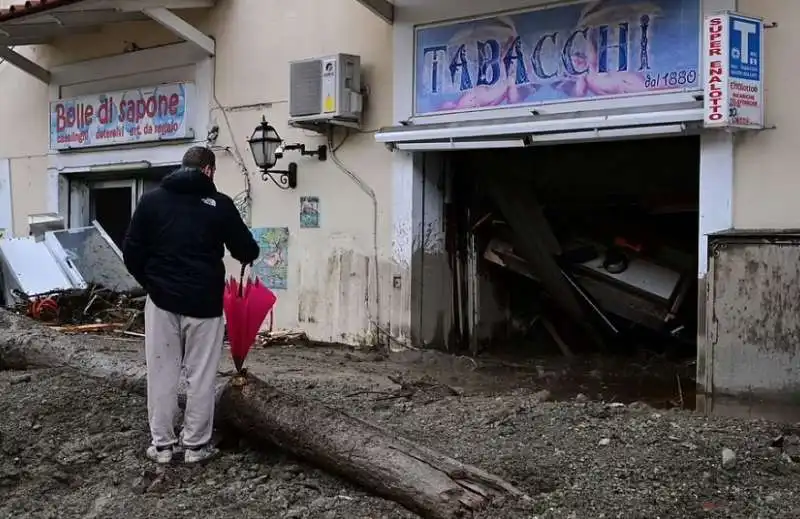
(244, 199)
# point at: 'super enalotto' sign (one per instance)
(733, 64)
(125, 117)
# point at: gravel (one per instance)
(74, 448)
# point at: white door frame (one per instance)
(129, 183)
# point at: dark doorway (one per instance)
(112, 208)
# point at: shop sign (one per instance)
(733, 64)
(581, 50)
(126, 117)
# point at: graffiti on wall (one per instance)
(272, 266)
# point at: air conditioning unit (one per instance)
(325, 90)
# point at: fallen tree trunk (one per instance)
(424, 481)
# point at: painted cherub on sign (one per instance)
(504, 91)
(594, 82)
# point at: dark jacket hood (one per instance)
(189, 181)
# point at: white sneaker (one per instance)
(160, 456)
(197, 455)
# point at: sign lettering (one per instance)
(579, 50)
(733, 93)
(140, 115)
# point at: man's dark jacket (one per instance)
(176, 240)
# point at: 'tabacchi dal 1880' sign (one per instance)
(124, 117)
(586, 49)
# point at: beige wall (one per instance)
(767, 177)
(331, 268)
(23, 139)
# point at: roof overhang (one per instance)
(382, 8)
(513, 132)
(44, 21)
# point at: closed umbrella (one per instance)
(246, 303)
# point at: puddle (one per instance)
(657, 382)
(656, 391)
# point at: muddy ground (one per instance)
(73, 448)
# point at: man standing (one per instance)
(174, 248)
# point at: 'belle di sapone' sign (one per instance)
(125, 117)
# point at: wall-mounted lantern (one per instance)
(267, 148)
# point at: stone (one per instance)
(296, 513)
(541, 396)
(20, 379)
(322, 503)
(728, 459)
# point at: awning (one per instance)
(43, 21)
(517, 132)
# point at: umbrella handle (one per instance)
(241, 280)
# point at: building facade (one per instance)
(744, 185)
(332, 234)
(382, 245)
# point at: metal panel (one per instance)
(753, 317)
(95, 256)
(305, 80)
(29, 266)
(539, 126)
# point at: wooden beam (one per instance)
(138, 5)
(24, 64)
(382, 8)
(181, 28)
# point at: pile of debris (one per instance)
(596, 270)
(76, 280)
(95, 310)
(73, 279)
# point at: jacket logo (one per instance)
(210, 201)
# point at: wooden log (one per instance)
(424, 481)
(427, 482)
(25, 344)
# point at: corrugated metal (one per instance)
(752, 341)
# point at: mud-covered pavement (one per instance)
(73, 448)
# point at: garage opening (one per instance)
(576, 248)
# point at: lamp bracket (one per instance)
(284, 179)
(321, 152)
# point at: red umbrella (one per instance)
(246, 306)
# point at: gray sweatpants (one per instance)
(171, 342)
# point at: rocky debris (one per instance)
(74, 448)
(541, 396)
(19, 379)
(728, 459)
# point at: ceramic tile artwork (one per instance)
(309, 212)
(272, 266)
